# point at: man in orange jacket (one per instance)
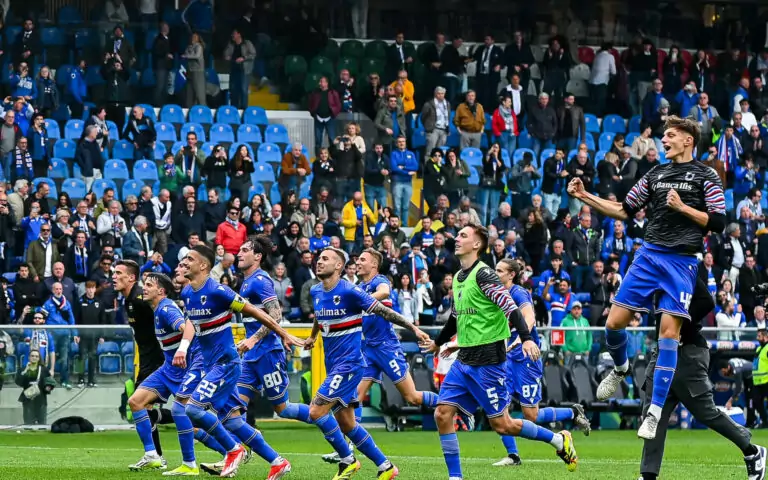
(231, 233)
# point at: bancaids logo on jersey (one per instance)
(674, 185)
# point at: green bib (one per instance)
(479, 321)
(760, 366)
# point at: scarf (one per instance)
(44, 243)
(189, 163)
(234, 223)
(23, 163)
(709, 114)
(81, 262)
(509, 119)
(729, 151)
(60, 303)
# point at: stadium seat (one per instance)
(146, 171)
(295, 66)
(524, 140)
(518, 155)
(102, 184)
(571, 154)
(614, 124)
(127, 347)
(192, 127)
(123, 150)
(582, 379)
(473, 156)
(165, 132)
(474, 177)
(419, 139)
(545, 154)
(349, 63)
(599, 156)
(200, 114)
(11, 365)
(93, 76)
(269, 152)
(222, 133)
(149, 111)
(128, 362)
(63, 74)
(634, 124)
(263, 172)
(729, 199)
(114, 135)
(131, 187)
(75, 188)
(376, 49)
(177, 147)
(207, 148)
(109, 358)
(160, 150)
(59, 168)
(592, 123)
(255, 116)
(276, 133)
(53, 193)
(228, 114)
(274, 194)
(352, 48)
(555, 380)
(69, 15)
(73, 130)
(372, 65)
(248, 133)
(256, 189)
(10, 276)
(590, 141)
(116, 170)
(605, 142)
(52, 127)
(148, 79)
(172, 114)
(631, 136)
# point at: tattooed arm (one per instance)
(274, 310)
(396, 319)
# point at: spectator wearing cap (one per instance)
(541, 124)
(294, 167)
(231, 233)
(571, 124)
(436, 118)
(324, 106)
(470, 120)
(357, 218)
(577, 342)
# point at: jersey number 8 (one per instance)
(273, 379)
(336, 382)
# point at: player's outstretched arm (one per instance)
(273, 309)
(271, 324)
(605, 207)
(309, 343)
(396, 319)
(180, 358)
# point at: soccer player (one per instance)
(381, 347)
(482, 314)
(684, 199)
(339, 308)
(209, 307)
(165, 381)
(524, 374)
(141, 319)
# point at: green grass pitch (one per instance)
(690, 455)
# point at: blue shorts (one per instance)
(267, 375)
(190, 382)
(164, 381)
(341, 387)
(467, 388)
(218, 389)
(386, 359)
(524, 381)
(672, 274)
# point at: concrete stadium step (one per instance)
(263, 97)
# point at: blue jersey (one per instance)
(210, 310)
(259, 289)
(168, 322)
(376, 330)
(521, 297)
(316, 244)
(339, 312)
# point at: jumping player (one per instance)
(149, 354)
(215, 405)
(381, 347)
(165, 381)
(524, 374)
(684, 199)
(483, 312)
(339, 308)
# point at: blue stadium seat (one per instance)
(86, 38)
(592, 124)
(590, 141)
(222, 133)
(116, 170)
(521, 151)
(473, 156)
(123, 150)
(545, 154)
(524, 140)
(127, 347)
(10, 276)
(146, 171)
(110, 363)
(149, 111)
(165, 132)
(102, 184)
(605, 142)
(276, 133)
(571, 154)
(148, 79)
(73, 130)
(192, 127)
(274, 194)
(729, 199)
(228, 114)
(200, 114)
(177, 147)
(114, 134)
(59, 168)
(256, 189)
(69, 15)
(132, 187)
(52, 37)
(63, 74)
(474, 177)
(263, 172)
(173, 114)
(76, 172)
(93, 76)
(255, 116)
(304, 190)
(505, 157)
(207, 148)
(53, 193)
(304, 150)
(11, 365)
(75, 188)
(248, 133)
(269, 152)
(419, 139)
(634, 124)
(160, 150)
(614, 123)
(233, 149)
(52, 127)
(599, 156)
(631, 136)
(128, 362)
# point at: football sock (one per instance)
(550, 414)
(251, 437)
(510, 444)
(210, 423)
(296, 411)
(616, 341)
(155, 417)
(330, 428)
(210, 442)
(429, 399)
(532, 431)
(663, 374)
(358, 414)
(364, 442)
(144, 429)
(185, 430)
(450, 445)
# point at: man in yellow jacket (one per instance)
(357, 218)
(407, 97)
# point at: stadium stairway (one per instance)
(263, 97)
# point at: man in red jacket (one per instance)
(231, 233)
(324, 106)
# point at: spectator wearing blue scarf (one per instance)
(21, 162)
(22, 84)
(38, 145)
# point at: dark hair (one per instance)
(105, 257)
(207, 253)
(262, 244)
(481, 232)
(163, 281)
(193, 234)
(131, 266)
(687, 125)
(752, 192)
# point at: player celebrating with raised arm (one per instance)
(165, 381)
(482, 315)
(523, 373)
(381, 348)
(685, 200)
(209, 307)
(339, 308)
(149, 354)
